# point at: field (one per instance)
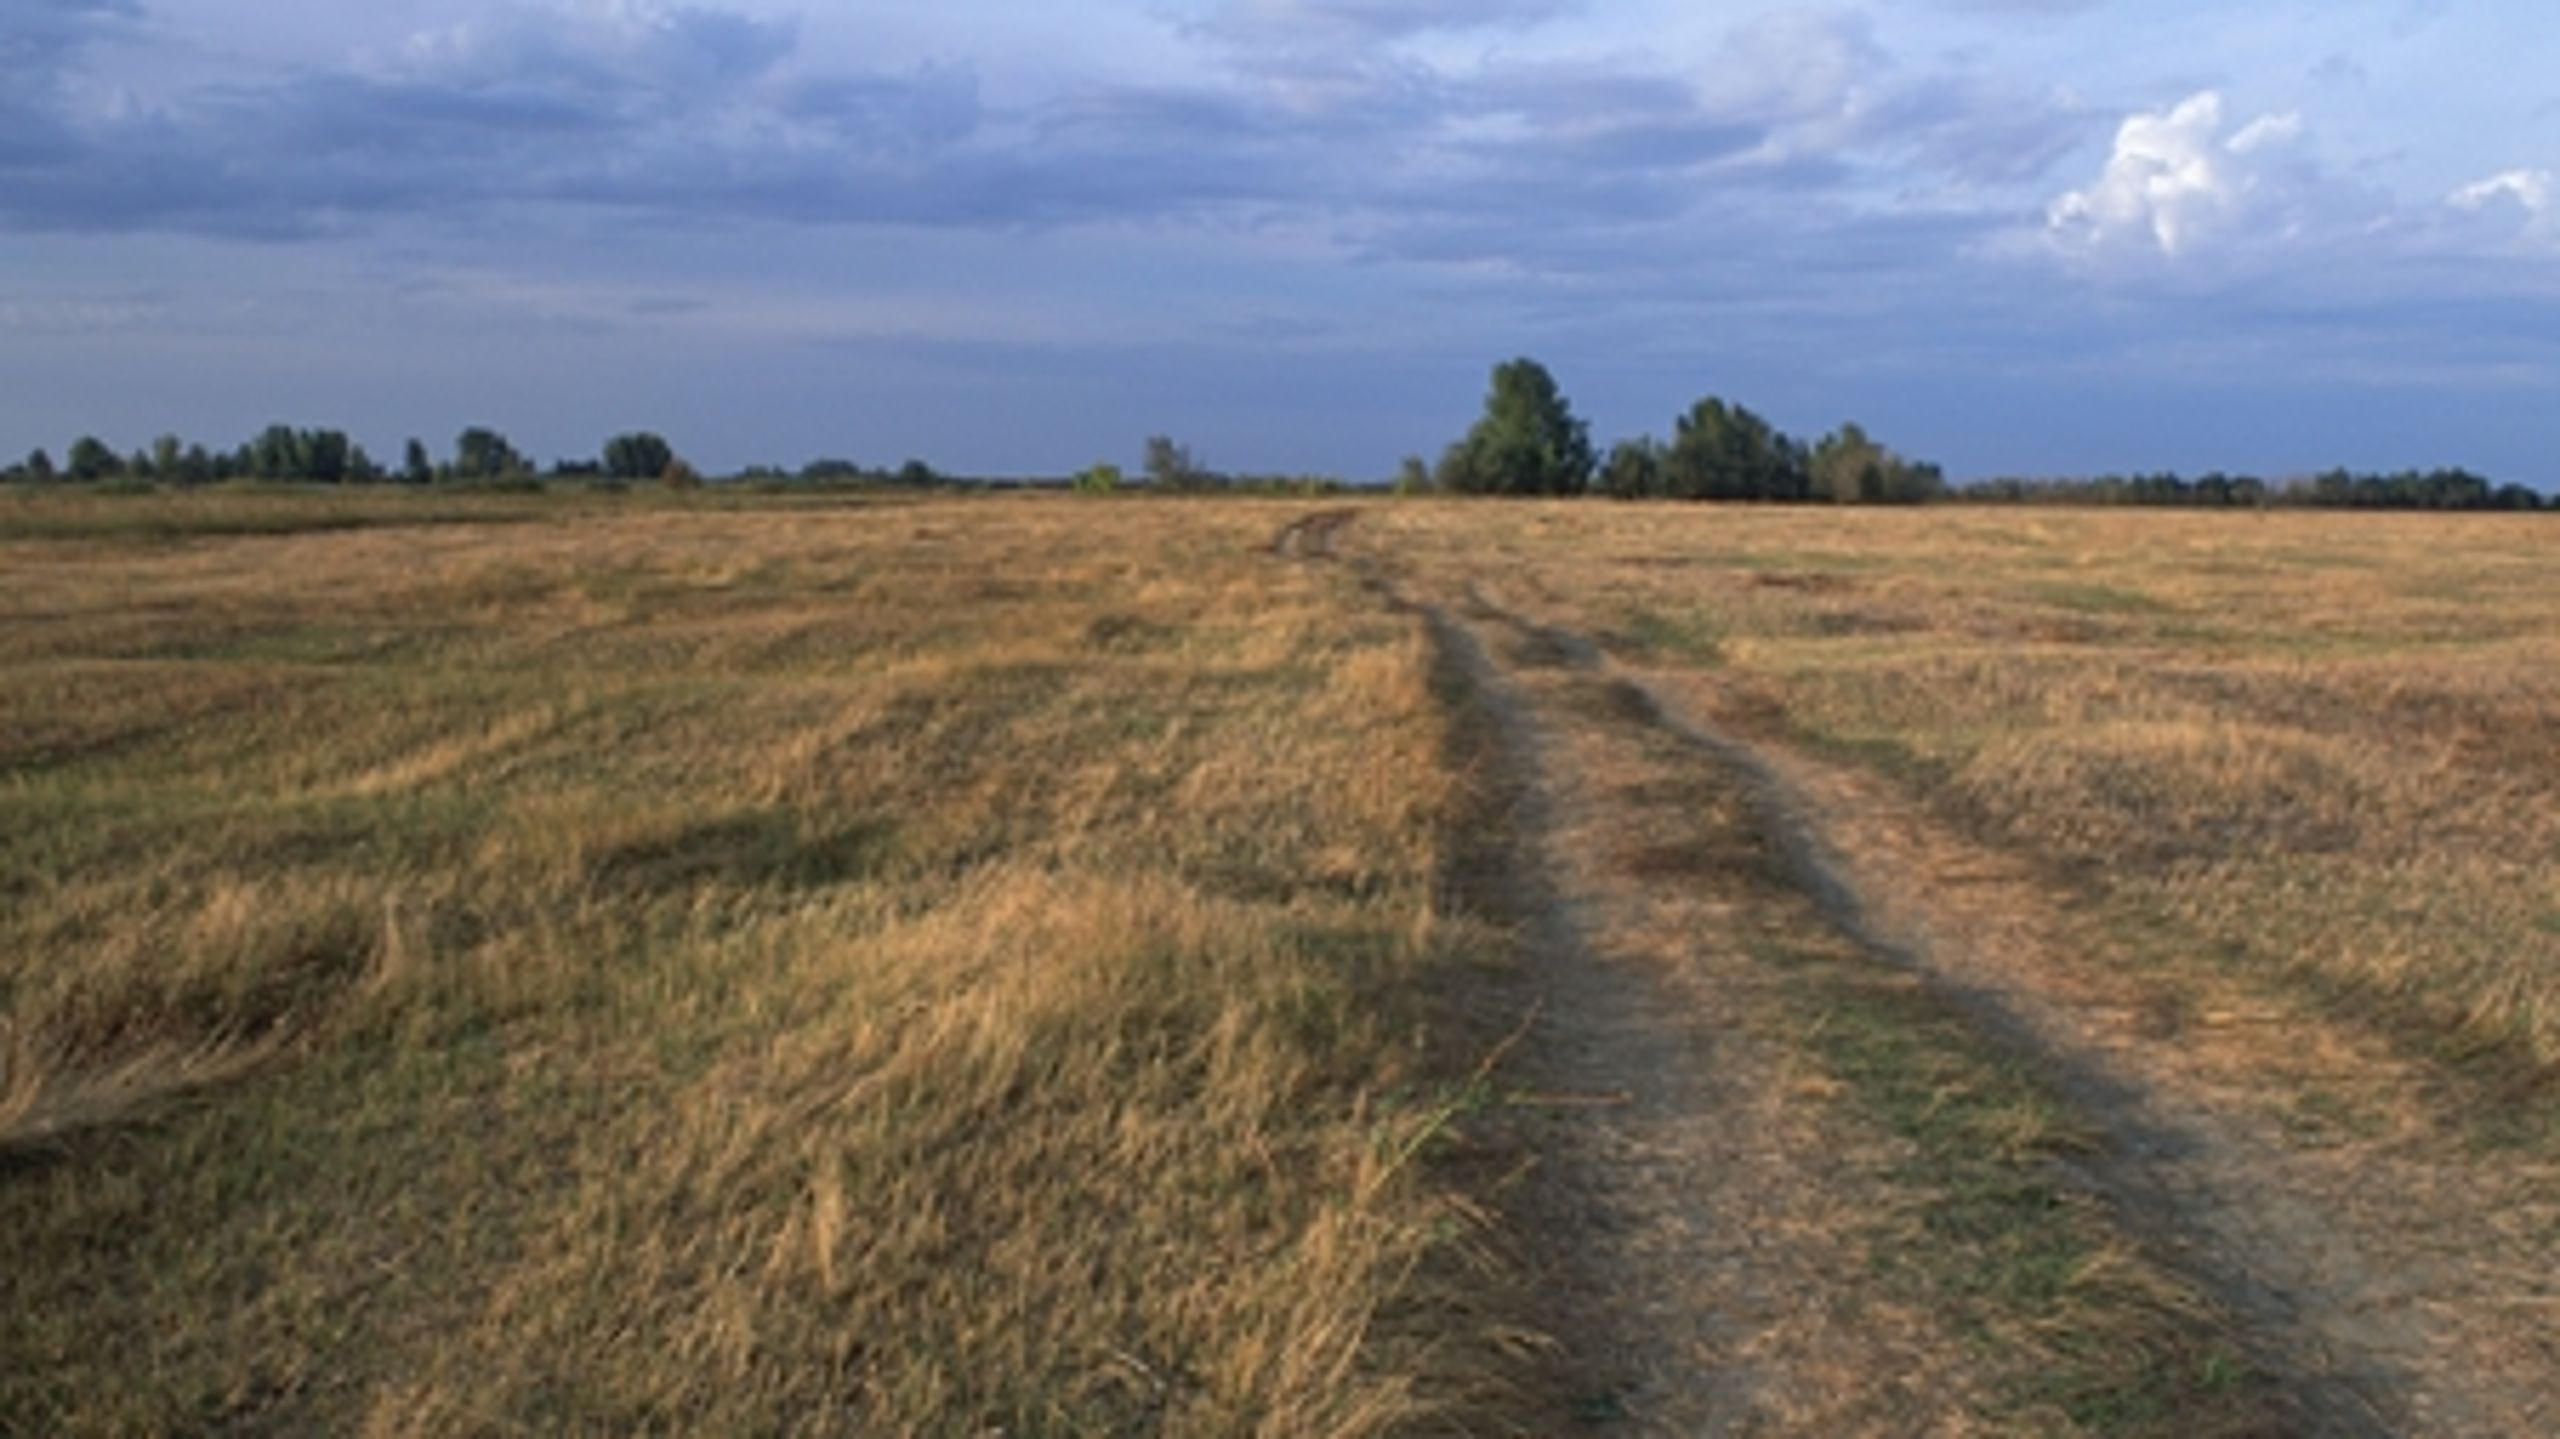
(1062, 966)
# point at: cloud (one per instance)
(622, 49)
(2534, 192)
(1340, 22)
(1572, 165)
(35, 35)
(2182, 177)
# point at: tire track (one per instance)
(2347, 1323)
(2341, 1323)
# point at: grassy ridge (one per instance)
(885, 971)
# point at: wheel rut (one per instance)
(2354, 1320)
(1680, 1224)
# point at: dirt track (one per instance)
(1690, 1214)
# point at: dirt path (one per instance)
(2394, 1284)
(1685, 1216)
(1692, 1220)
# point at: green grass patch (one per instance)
(1687, 636)
(2076, 1332)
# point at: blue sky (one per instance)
(2016, 236)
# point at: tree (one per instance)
(1413, 477)
(680, 476)
(1099, 479)
(917, 475)
(480, 453)
(276, 454)
(1725, 452)
(1633, 471)
(1528, 441)
(415, 467)
(168, 454)
(639, 456)
(327, 456)
(1171, 467)
(39, 465)
(1849, 468)
(90, 459)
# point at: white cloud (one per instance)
(2179, 177)
(2535, 192)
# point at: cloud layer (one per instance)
(1847, 205)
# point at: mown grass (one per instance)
(928, 969)
(2322, 751)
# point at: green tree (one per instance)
(168, 456)
(415, 467)
(1172, 467)
(1102, 479)
(1847, 468)
(480, 453)
(39, 465)
(90, 459)
(328, 456)
(276, 454)
(1413, 476)
(1528, 441)
(1725, 452)
(639, 456)
(1633, 470)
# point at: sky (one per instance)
(2028, 237)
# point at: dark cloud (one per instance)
(36, 35)
(705, 115)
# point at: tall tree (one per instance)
(1172, 467)
(1849, 468)
(1528, 441)
(327, 456)
(480, 453)
(415, 467)
(90, 459)
(638, 456)
(39, 465)
(1725, 452)
(1633, 471)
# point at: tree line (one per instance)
(286, 454)
(1529, 442)
(2437, 489)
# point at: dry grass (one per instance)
(945, 968)
(2323, 748)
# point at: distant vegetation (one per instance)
(2442, 489)
(286, 455)
(1528, 441)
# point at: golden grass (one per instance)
(2324, 747)
(942, 968)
